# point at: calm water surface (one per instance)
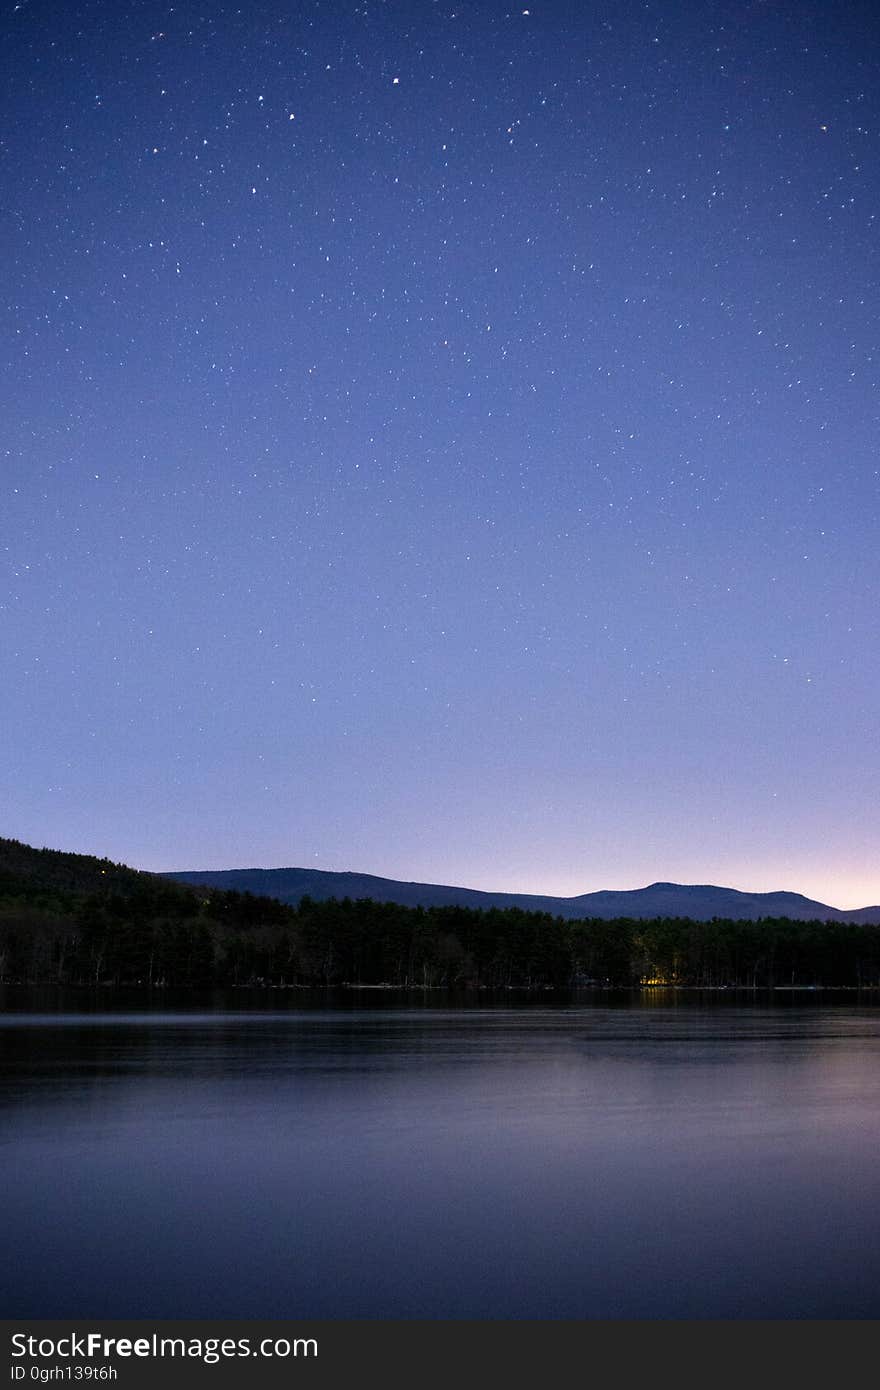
(596, 1160)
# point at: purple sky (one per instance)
(441, 440)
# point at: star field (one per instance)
(441, 440)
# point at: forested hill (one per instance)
(24, 869)
(70, 919)
(701, 902)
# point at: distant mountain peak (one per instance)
(699, 901)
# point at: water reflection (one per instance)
(591, 1160)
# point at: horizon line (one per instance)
(520, 893)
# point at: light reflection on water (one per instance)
(575, 1162)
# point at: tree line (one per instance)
(147, 931)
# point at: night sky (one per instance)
(441, 439)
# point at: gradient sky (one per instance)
(441, 439)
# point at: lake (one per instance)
(647, 1156)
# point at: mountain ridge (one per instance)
(69, 919)
(660, 899)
